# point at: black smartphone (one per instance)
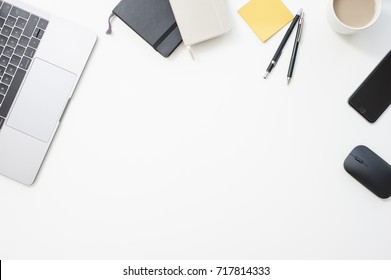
(373, 96)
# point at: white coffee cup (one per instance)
(351, 16)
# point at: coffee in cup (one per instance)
(350, 16)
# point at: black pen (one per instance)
(282, 44)
(296, 46)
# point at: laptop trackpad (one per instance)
(42, 99)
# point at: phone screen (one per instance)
(373, 96)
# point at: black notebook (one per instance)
(153, 20)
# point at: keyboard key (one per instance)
(16, 32)
(8, 51)
(30, 27)
(2, 21)
(17, 12)
(6, 30)
(6, 79)
(34, 42)
(30, 52)
(19, 50)
(2, 70)
(4, 61)
(5, 9)
(3, 40)
(40, 34)
(24, 64)
(10, 21)
(2, 121)
(11, 69)
(23, 41)
(12, 91)
(1, 50)
(15, 60)
(3, 89)
(12, 42)
(21, 23)
(43, 23)
(1, 100)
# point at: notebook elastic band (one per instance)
(165, 35)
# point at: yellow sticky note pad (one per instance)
(266, 17)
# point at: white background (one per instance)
(174, 159)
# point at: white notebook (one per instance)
(201, 20)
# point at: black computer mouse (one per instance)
(370, 170)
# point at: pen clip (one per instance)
(300, 27)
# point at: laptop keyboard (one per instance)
(20, 35)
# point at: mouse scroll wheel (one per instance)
(359, 159)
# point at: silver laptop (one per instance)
(42, 58)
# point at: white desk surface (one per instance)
(174, 159)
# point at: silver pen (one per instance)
(296, 46)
